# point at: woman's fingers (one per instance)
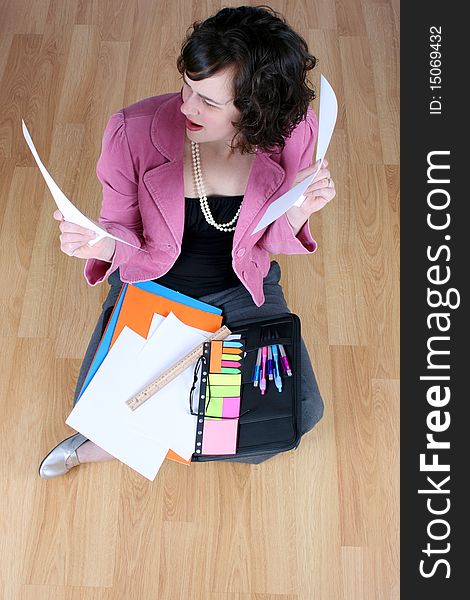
(323, 172)
(73, 238)
(80, 248)
(67, 227)
(322, 180)
(316, 199)
(320, 190)
(74, 241)
(72, 249)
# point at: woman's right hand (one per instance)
(74, 241)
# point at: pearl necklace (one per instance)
(202, 195)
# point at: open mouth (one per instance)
(192, 126)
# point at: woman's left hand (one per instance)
(319, 192)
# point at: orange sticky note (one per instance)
(216, 356)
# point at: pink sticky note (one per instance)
(231, 407)
(220, 437)
(230, 363)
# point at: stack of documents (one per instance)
(147, 337)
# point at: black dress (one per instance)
(205, 263)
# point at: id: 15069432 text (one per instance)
(435, 70)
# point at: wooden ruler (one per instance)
(174, 370)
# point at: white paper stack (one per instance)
(141, 438)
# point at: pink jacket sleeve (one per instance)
(279, 237)
(120, 213)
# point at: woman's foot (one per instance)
(90, 452)
(70, 453)
(62, 458)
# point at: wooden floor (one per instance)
(319, 523)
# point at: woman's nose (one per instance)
(189, 106)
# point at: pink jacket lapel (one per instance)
(166, 185)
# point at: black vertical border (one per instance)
(421, 133)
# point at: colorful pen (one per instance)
(284, 361)
(256, 370)
(262, 382)
(277, 375)
(270, 364)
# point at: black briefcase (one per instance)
(269, 423)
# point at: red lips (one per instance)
(193, 126)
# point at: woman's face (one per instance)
(209, 103)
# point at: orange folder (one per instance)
(137, 311)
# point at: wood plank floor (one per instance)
(320, 523)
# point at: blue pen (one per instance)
(270, 364)
(256, 370)
(277, 376)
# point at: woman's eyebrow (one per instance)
(205, 97)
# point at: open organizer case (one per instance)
(273, 421)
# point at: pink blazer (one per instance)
(141, 171)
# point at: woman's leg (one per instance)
(107, 308)
(90, 452)
(237, 305)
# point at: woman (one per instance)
(187, 176)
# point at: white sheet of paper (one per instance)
(69, 211)
(326, 125)
(141, 438)
(156, 321)
(170, 406)
(95, 414)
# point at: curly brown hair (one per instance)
(270, 62)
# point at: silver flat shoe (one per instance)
(54, 464)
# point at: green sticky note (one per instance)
(234, 357)
(224, 391)
(225, 379)
(215, 407)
